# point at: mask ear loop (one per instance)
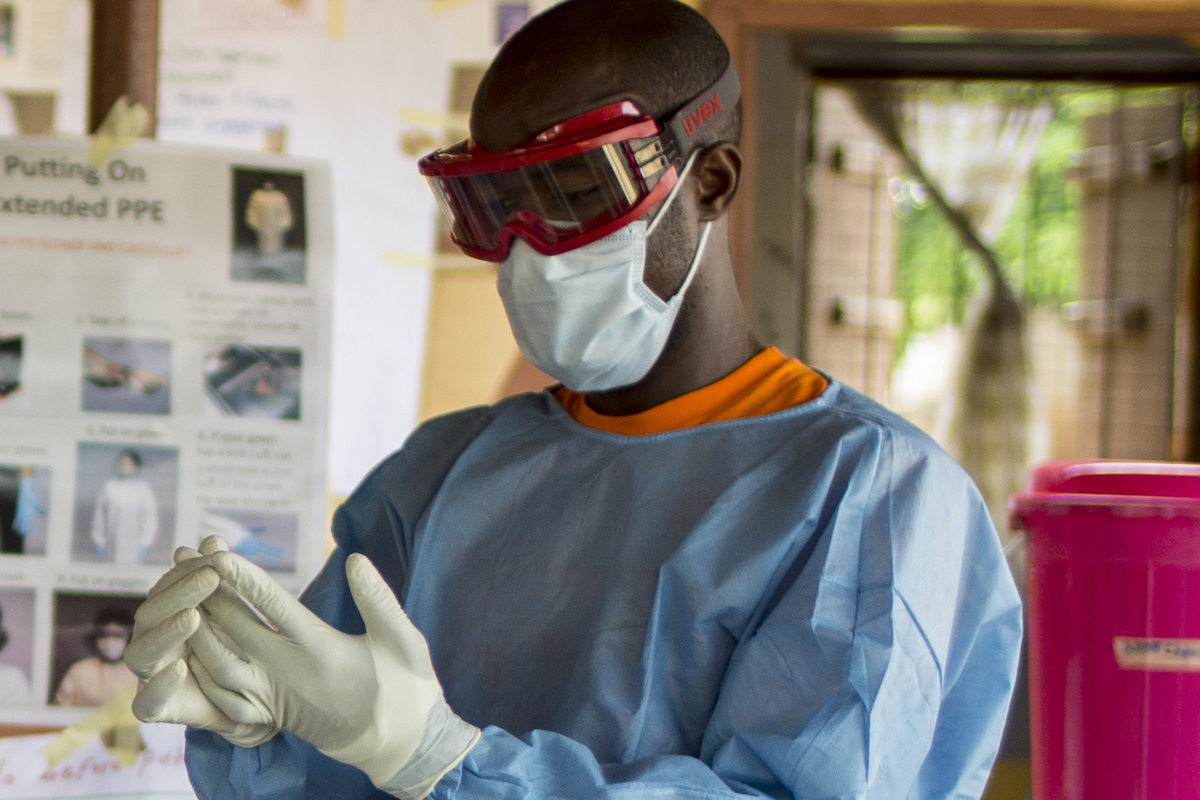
(691, 273)
(704, 231)
(662, 210)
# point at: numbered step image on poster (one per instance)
(265, 538)
(12, 367)
(8, 32)
(125, 503)
(24, 507)
(246, 381)
(16, 646)
(269, 234)
(126, 376)
(91, 632)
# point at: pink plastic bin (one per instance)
(1114, 629)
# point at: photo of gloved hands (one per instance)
(109, 374)
(219, 645)
(125, 375)
(250, 538)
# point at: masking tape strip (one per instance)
(123, 124)
(1157, 655)
(435, 119)
(440, 6)
(337, 21)
(424, 261)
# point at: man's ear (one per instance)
(718, 172)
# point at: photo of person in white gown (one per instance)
(268, 226)
(125, 520)
(125, 503)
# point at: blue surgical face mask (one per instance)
(586, 317)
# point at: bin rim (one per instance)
(1041, 495)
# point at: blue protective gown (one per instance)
(810, 604)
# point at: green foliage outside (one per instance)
(1038, 248)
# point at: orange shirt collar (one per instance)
(768, 382)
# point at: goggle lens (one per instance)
(551, 203)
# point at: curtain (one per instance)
(973, 151)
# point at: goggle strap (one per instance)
(700, 114)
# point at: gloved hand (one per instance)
(167, 691)
(102, 551)
(371, 701)
(143, 552)
(29, 505)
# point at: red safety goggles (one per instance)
(574, 183)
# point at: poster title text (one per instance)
(117, 171)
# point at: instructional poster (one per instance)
(164, 375)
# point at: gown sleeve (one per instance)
(100, 518)
(882, 668)
(148, 516)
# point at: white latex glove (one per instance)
(167, 690)
(372, 700)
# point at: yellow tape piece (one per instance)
(337, 21)
(441, 261)
(435, 119)
(123, 124)
(114, 724)
(399, 258)
(440, 6)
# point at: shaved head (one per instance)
(584, 54)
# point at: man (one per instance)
(125, 514)
(96, 679)
(698, 568)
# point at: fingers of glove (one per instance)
(224, 665)
(226, 610)
(213, 544)
(186, 590)
(152, 703)
(181, 571)
(238, 707)
(173, 696)
(382, 614)
(152, 648)
(182, 554)
(267, 597)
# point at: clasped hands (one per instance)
(219, 645)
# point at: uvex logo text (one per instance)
(707, 110)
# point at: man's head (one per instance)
(111, 631)
(581, 129)
(129, 463)
(584, 54)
